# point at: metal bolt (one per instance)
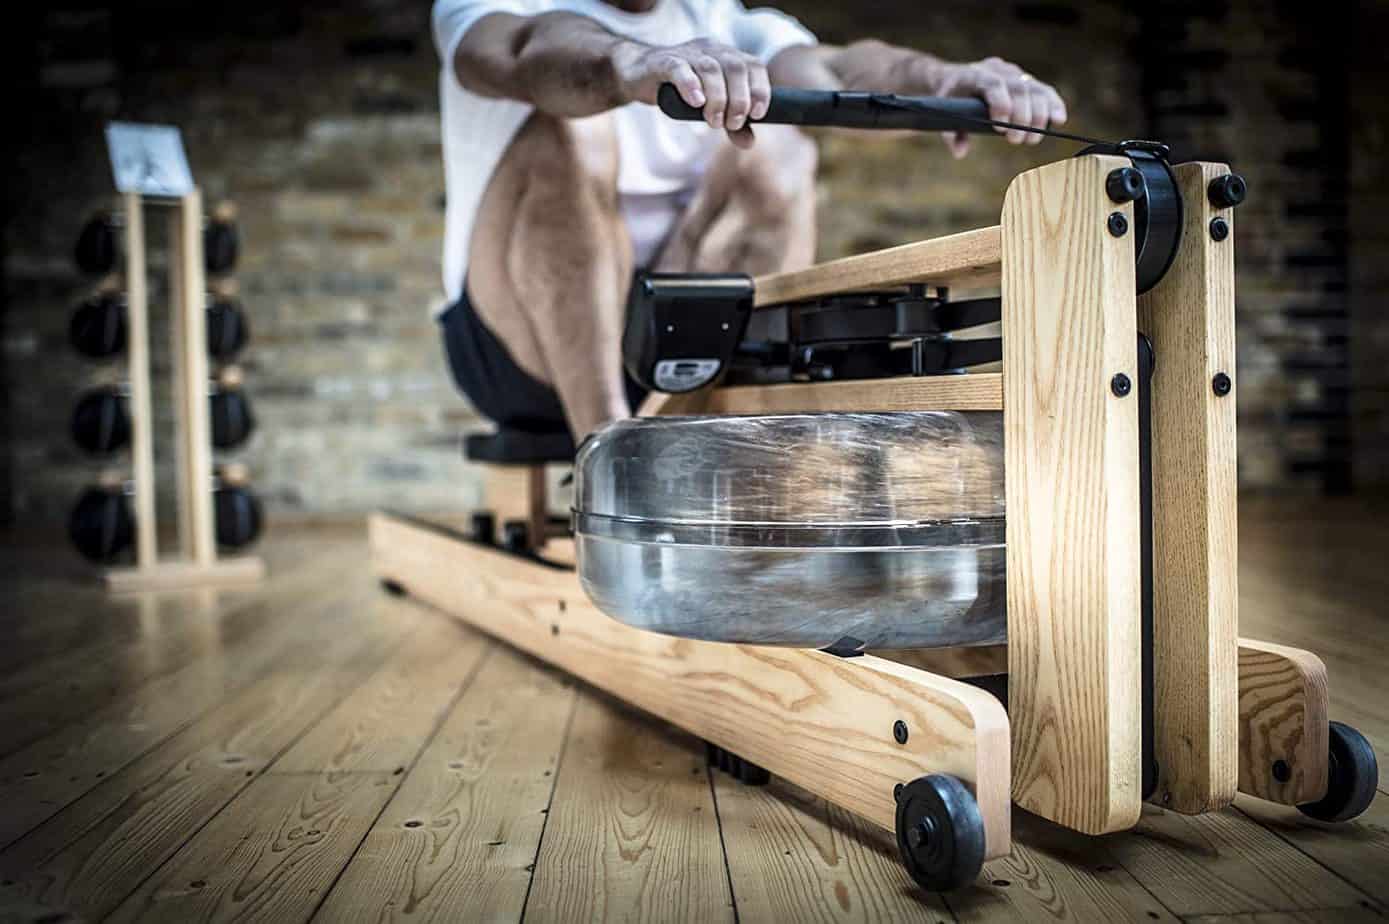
(1118, 224)
(1120, 385)
(1220, 229)
(1281, 771)
(919, 834)
(1221, 384)
(899, 731)
(1227, 191)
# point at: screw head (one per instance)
(1220, 229)
(1125, 184)
(1121, 385)
(1227, 191)
(1281, 771)
(1221, 384)
(899, 731)
(1118, 224)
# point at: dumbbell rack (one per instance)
(197, 562)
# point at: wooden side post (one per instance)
(1190, 319)
(189, 318)
(1071, 451)
(1283, 726)
(141, 417)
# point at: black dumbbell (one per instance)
(221, 242)
(237, 510)
(96, 250)
(100, 422)
(232, 420)
(226, 328)
(98, 326)
(101, 524)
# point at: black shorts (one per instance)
(501, 391)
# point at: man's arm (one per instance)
(568, 65)
(1012, 94)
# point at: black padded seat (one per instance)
(519, 447)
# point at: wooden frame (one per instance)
(1227, 713)
(198, 563)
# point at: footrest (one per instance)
(519, 447)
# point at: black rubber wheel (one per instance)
(1351, 779)
(744, 771)
(484, 527)
(516, 536)
(940, 833)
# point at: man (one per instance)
(562, 175)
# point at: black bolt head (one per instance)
(919, 835)
(897, 792)
(1125, 184)
(899, 731)
(1220, 229)
(1281, 771)
(1121, 385)
(1118, 224)
(1221, 384)
(1227, 191)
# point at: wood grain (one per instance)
(41, 778)
(1282, 717)
(1224, 863)
(970, 258)
(1190, 319)
(96, 851)
(793, 856)
(1056, 875)
(266, 855)
(825, 723)
(632, 834)
(1357, 850)
(981, 391)
(138, 365)
(463, 830)
(1071, 449)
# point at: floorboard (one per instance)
(315, 749)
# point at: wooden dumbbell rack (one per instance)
(197, 562)
(1066, 739)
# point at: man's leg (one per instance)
(550, 263)
(754, 213)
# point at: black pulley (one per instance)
(238, 516)
(232, 421)
(220, 245)
(100, 422)
(101, 525)
(226, 328)
(98, 326)
(96, 249)
(1157, 210)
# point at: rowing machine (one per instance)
(1094, 665)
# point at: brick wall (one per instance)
(320, 120)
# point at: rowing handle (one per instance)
(789, 106)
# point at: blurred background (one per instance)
(320, 120)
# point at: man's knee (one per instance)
(572, 153)
(778, 171)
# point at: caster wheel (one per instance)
(744, 771)
(1351, 779)
(516, 536)
(940, 833)
(484, 527)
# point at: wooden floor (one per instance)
(316, 749)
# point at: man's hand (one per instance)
(1013, 96)
(733, 87)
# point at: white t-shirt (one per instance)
(660, 159)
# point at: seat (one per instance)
(519, 447)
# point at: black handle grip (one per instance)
(847, 109)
